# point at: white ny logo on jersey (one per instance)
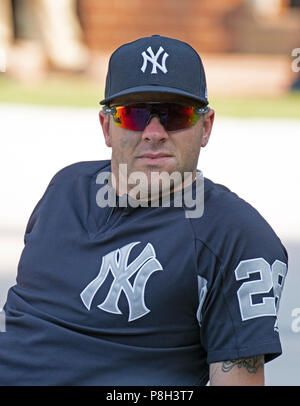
(117, 262)
(153, 59)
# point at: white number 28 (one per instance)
(269, 277)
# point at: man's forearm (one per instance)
(243, 372)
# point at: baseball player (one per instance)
(129, 290)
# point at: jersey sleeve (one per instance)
(57, 185)
(241, 273)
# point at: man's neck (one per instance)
(148, 192)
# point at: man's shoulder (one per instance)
(226, 205)
(227, 216)
(79, 169)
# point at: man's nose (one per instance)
(154, 131)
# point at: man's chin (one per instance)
(158, 181)
(155, 167)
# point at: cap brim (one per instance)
(154, 89)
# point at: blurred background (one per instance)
(53, 62)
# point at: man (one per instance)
(121, 286)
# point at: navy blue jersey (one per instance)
(139, 296)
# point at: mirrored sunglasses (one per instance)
(173, 116)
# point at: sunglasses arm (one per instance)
(108, 110)
(202, 110)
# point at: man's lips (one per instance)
(154, 158)
(151, 155)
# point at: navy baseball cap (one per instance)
(156, 64)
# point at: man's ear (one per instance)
(207, 126)
(104, 122)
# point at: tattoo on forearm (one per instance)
(251, 364)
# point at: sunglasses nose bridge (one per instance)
(159, 118)
(154, 112)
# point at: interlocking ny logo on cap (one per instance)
(153, 59)
(117, 262)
